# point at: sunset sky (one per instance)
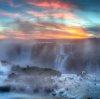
(49, 19)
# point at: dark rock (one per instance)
(89, 98)
(48, 90)
(36, 70)
(61, 92)
(12, 75)
(36, 90)
(5, 88)
(54, 94)
(66, 89)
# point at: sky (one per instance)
(49, 19)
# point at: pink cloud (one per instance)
(4, 13)
(36, 14)
(67, 16)
(60, 15)
(53, 4)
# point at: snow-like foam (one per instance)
(77, 87)
(5, 69)
(73, 86)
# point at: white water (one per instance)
(24, 96)
(77, 87)
(4, 71)
(68, 86)
(61, 58)
(5, 68)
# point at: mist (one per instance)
(66, 56)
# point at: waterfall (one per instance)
(61, 58)
(69, 56)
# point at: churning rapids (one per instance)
(51, 69)
(38, 83)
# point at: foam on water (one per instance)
(68, 85)
(25, 96)
(77, 87)
(5, 68)
(4, 71)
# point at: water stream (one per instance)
(61, 58)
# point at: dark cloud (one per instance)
(95, 29)
(24, 26)
(87, 5)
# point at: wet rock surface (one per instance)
(5, 88)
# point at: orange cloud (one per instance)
(59, 28)
(50, 36)
(65, 33)
(70, 32)
(53, 4)
(47, 31)
(76, 31)
(2, 36)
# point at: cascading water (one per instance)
(61, 58)
(25, 56)
(70, 56)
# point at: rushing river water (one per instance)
(5, 70)
(68, 86)
(24, 96)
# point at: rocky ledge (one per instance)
(29, 79)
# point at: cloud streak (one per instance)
(56, 15)
(12, 4)
(52, 4)
(28, 30)
(7, 14)
(37, 14)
